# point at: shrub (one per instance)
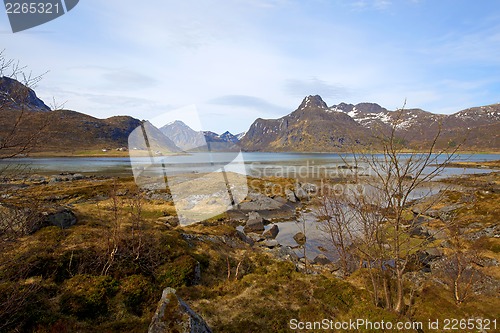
(180, 272)
(335, 293)
(136, 290)
(87, 296)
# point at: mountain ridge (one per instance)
(312, 127)
(324, 129)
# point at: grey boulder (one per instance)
(174, 315)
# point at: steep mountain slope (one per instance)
(183, 136)
(312, 127)
(190, 140)
(14, 95)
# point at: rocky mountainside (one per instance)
(188, 139)
(14, 95)
(182, 135)
(316, 127)
(312, 127)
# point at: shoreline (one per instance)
(111, 154)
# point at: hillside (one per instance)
(63, 131)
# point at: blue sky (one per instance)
(238, 60)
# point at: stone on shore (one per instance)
(255, 223)
(300, 238)
(271, 232)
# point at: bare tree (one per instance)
(336, 219)
(459, 269)
(381, 235)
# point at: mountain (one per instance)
(63, 130)
(311, 127)
(228, 137)
(15, 95)
(71, 131)
(188, 139)
(183, 136)
(316, 127)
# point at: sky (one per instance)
(235, 61)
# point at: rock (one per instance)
(490, 231)
(19, 220)
(438, 233)
(420, 231)
(309, 188)
(121, 193)
(258, 201)
(300, 238)
(301, 194)
(487, 262)
(434, 252)
(446, 213)
(271, 243)
(271, 232)
(171, 221)
(62, 217)
(281, 200)
(290, 195)
(285, 253)
(78, 176)
(174, 315)
(245, 238)
(321, 259)
(255, 237)
(255, 223)
(55, 179)
(160, 196)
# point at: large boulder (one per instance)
(174, 315)
(300, 238)
(290, 195)
(321, 259)
(255, 223)
(301, 194)
(271, 232)
(270, 243)
(243, 237)
(258, 201)
(169, 221)
(61, 217)
(304, 192)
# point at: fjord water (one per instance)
(258, 164)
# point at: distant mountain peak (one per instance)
(177, 123)
(313, 101)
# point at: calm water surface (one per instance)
(303, 165)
